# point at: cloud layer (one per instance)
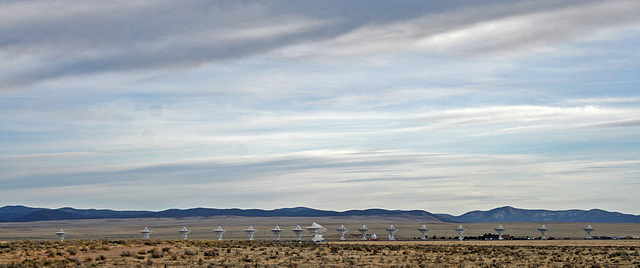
(443, 106)
(386, 179)
(126, 36)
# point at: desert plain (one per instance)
(117, 242)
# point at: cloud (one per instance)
(88, 38)
(524, 118)
(534, 30)
(391, 179)
(493, 28)
(605, 100)
(411, 104)
(615, 124)
(124, 36)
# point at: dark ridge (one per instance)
(511, 214)
(14, 212)
(25, 214)
(48, 215)
(290, 212)
(501, 214)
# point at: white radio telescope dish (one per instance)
(423, 230)
(250, 232)
(298, 232)
(392, 232)
(500, 230)
(61, 235)
(460, 231)
(543, 230)
(316, 231)
(276, 232)
(184, 232)
(363, 230)
(145, 233)
(342, 230)
(589, 230)
(219, 232)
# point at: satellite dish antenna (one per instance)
(219, 232)
(145, 233)
(250, 232)
(184, 232)
(276, 232)
(298, 232)
(423, 230)
(460, 230)
(589, 229)
(342, 230)
(543, 230)
(316, 231)
(61, 235)
(363, 230)
(392, 231)
(500, 230)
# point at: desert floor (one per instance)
(202, 228)
(116, 242)
(206, 253)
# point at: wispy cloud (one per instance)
(605, 100)
(523, 117)
(355, 104)
(90, 38)
(306, 178)
(494, 28)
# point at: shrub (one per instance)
(190, 252)
(127, 253)
(156, 254)
(211, 253)
(73, 260)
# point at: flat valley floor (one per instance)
(116, 242)
(202, 228)
(207, 253)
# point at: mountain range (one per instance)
(511, 214)
(28, 214)
(501, 214)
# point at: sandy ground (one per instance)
(541, 243)
(202, 228)
(116, 242)
(199, 253)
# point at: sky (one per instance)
(443, 106)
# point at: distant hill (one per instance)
(502, 214)
(511, 214)
(26, 214)
(13, 212)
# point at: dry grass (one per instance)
(113, 242)
(165, 228)
(181, 253)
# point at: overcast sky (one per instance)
(444, 106)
